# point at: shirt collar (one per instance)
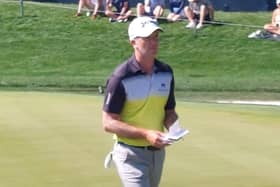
(135, 67)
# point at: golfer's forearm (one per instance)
(125, 130)
(170, 117)
(112, 124)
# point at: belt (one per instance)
(150, 148)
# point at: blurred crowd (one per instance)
(196, 12)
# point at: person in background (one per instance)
(199, 11)
(177, 10)
(92, 5)
(121, 13)
(274, 26)
(139, 104)
(152, 8)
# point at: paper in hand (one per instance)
(175, 133)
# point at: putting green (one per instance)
(56, 139)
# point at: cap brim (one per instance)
(146, 33)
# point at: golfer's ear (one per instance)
(132, 42)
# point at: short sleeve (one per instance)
(171, 102)
(114, 96)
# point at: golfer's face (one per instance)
(148, 45)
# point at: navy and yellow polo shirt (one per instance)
(140, 99)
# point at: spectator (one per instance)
(199, 10)
(176, 8)
(92, 5)
(122, 10)
(152, 8)
(274, 26)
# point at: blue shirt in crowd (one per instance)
(176, 6)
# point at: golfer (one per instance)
(139, 103)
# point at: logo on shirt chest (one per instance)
(163, 87)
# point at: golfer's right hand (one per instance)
(155, 138)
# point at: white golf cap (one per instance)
(142, 27)
(277, 2)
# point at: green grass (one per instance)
(49, 48)
(56, 140)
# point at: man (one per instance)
(199, 10)
(122, 10)
(152, 8)
(139, 103)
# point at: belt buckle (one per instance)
(152, 148)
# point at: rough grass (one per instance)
(49, 48)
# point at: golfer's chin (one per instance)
(153, 52)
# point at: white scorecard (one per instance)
(175, 133)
